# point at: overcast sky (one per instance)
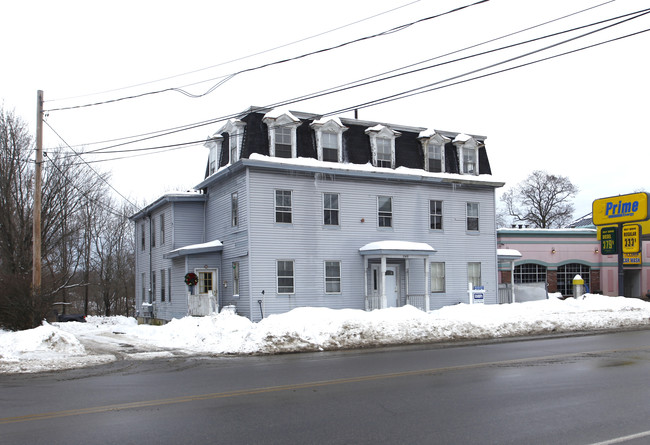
(583, 115)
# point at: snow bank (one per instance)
(101, 339)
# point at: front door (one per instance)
(392, 292)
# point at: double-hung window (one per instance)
(330, 143)
(234, 210)
(435, 215)
(472, 216)
(285, 277)
(153, 233)
(163, 283)
(474, 274)
(469, 160)
(283, 142)
(384, 153)
(142, 237)
(385, 211)
(331, 209)
(434, 157)
(162, 229)
(437, 277)
(153, 286)
(332, 277)
(283, 206)
(235, 278)
(234, 148)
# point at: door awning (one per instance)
(194, 249)
(396, 248)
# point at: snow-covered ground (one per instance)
(105, 339)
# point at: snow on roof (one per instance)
(281, 111)
(462, 137)
(402, 246)
(324, 120)
(508, 253)
(211, 246)
(368, 167)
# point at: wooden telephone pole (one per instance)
(36, 241)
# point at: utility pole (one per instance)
(36, 234)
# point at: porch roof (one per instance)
(508, 254)
(397, 248)
(211, 246)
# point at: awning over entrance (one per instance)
(396, 248)
(212, 246)
(402, 250)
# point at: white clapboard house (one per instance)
(299, 210)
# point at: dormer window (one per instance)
(235, 130)
(329, 139)
(433, 145)
(330, 147)
(283, 142)
(282, 133)
(467, 154)
(384, 153)
(214, 144)
(382, 144)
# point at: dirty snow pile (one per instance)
(104, 339)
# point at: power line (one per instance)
(92, 169)
(302, 56)
(439, 84)
(242, 57)
(364, 81)
(414, 92)
(83, 193)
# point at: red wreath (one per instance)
(191, 279)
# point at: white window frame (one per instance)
(235, 278)
(201, 287)
(382, 132)
(163, 283)
(292, 277)
(214, 144)
(432, 215)
(470, 216)
(380, 215)
(234, 209)
(162, 229)
(331, 126)
(285, 119)
(437, 276)
(472, 268)
(282, 208)
(332, 279)
(235, 130)
(332, 210)
(466, 146)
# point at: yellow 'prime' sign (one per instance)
(620, 209)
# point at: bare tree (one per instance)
(542, 200)
(16, 200)
(78, 253)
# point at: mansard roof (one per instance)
(356, 139)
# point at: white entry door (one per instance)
(392, 291)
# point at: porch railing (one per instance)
(200, 305)
(417, 301)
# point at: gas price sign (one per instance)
(608, 240)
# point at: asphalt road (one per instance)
(574, 390)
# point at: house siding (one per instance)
(309, 243)
(258, 242)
